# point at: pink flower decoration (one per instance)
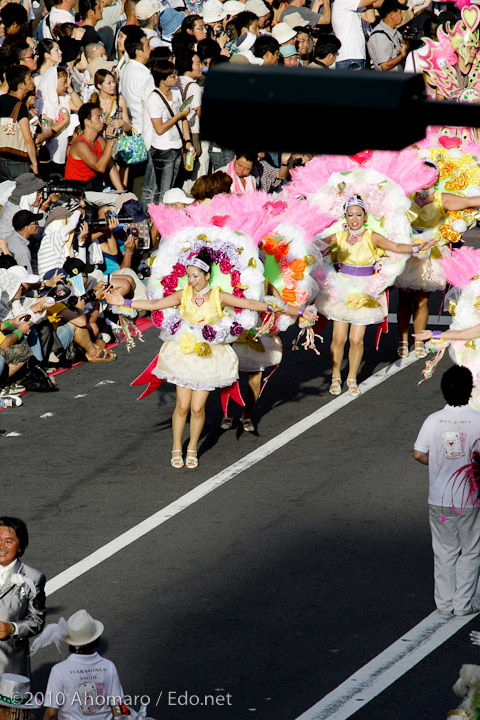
(170, 282)
(235, 278)
(301, 296)
(179, 270)
(157, 318)
(290, 282)
(225, 266)
(276, 208)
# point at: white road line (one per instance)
(386, 668)
(220, 478)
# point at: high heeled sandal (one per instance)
(353, 388)
(226, 423)
(248, 426)
(402, 349)
(191, 462)
(335, 386)
(177, 460)
(420, 351)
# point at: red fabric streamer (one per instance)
(233, 391)
(383, 326)
(147, 378)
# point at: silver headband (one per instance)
(199, 264)
(354, 200)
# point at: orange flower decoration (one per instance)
(269, 244)
(289, 296)
(281, 251)
(298, 267)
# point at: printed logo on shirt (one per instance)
(90, 697)
(453, 444)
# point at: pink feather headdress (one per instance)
(461, 266)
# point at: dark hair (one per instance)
(248, 155)
(182, 42)
(100, 76)
(13, 13)
(231, 29)
(63, 30)
(15, 75)
(184, 62)
(389, 6)
(44, 47)
(326, 45)
(264, 44)
(204, 255)
(244, 20)
(207, 49)
(218, 60)
(133, 42)
(189, 22)
(160, 70)
(85, 113)
(84, 6)
(16, 51)
(20, 530)
(456, 385)
(88, 649)
(7, 261)
(131, 31)
(159, 53)
(207, 186)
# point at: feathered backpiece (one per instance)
(255, 214)
(461, 266)
(403, 167)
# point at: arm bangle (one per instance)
(7, 324)
(415, 249)
(301, 311)
(437, 335)
(127, 303)
(270, 308)
(18, 334)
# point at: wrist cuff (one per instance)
(18, 334)
(127, 303)
(437, 335)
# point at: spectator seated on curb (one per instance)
(13, 346)
(55, 246)
(26, 195)
(71, 325)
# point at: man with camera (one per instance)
(89, 159)
(386, 46)
(25, 227)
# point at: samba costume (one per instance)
(190, 362)
(355, 276)
(439, 61)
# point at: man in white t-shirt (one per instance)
(169, 125)
(444, 443)
(85, 683)
(347, 26)
(61, 12)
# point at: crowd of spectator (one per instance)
(100, 107)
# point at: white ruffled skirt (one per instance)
(423, 274)
(197, 372)
(251, 360)
(351, 302)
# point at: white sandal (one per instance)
(353, 388)
(335, 386)
(226, 423)
(177, 460)
(191, 461)
(402, 349)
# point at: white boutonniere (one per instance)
(20, 581)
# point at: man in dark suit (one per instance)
(22, 598)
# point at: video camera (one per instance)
(51, 188)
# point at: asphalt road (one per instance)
(272, 589)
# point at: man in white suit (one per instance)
(22, 598)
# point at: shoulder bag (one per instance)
(11, 138)
(197, 145)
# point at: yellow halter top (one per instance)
(431, 215)
(361, 254)
(207, 313)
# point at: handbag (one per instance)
(131, 148)
(11, 137)
(184, 149)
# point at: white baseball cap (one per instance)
(176, 195)
(23, 275)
